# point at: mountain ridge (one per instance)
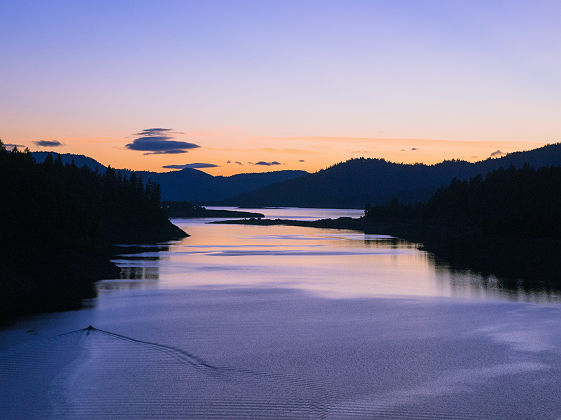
(368, 181)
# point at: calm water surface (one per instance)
(272, 321)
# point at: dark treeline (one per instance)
(58, 223)
(510, 202)
(506, 223)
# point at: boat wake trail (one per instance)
(95, 373)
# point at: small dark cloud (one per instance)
(228, 162)
(11, 145)
(414, 148)
(48, 143)
(262, 163)
(237, 162)
(198, 165)
(301, 160)
(157, 132)
(497, 153)
(155, 141)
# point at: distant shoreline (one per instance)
(187, 210)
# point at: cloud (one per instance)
(300, 160)
(157, 132)
(11, 145)
(155, 141)
(497, 153)
(414, 148)
(262, 163)
(237, 162)
(48, 143)
(197, 165)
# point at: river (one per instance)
(280, 321)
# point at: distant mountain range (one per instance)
(351, 184)
(189, 184)
(358, 182)
(199, 187)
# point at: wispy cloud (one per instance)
(12, 146)
(301, 160)
(237, 162)
(497, 153)
(155, 141)
(197, 165)
(263, 163)
(48, 143)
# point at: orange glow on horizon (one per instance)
(309, 153)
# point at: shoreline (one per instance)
(38, 281)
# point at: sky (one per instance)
(251, 86)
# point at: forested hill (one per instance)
(68, 158)
(199, 187)
(358, 182)
(505, 224)
(188, 184)
(57, 225)
(520, 203)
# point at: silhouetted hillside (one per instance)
(187, 184)
(358, 182)
(519, 203)
(68, 158)
(58, 223)
(198, 187)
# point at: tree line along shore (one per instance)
(59, 223)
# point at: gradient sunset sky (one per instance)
(253, 86)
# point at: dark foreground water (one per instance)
(273, 321)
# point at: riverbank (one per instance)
(39, 279)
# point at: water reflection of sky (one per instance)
(328, 262)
